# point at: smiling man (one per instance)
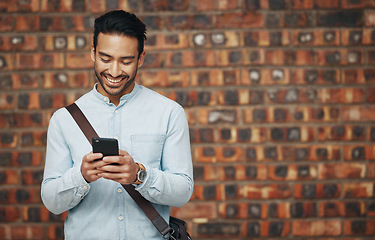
(153, 137)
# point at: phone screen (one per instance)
(106, 146)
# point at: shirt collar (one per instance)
(123, 99)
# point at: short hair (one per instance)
(122, 23)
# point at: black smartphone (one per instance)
(107, 146)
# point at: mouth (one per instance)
(115, 80)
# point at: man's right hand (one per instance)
(90, 164)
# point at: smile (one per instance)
(114, 80)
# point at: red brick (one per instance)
(33, 139)
(78, 61)
(39, 61)
(27, 232)
(317, 191)
(163, 42)
(347, 4)
(290, 57)
(341, 171)
(27, 23)
(213, 5)
(309, 228)
(18, 43)
(60, 80)
(370, 18)
(358, 113)
(20, 6)
(215, 77)
(326, 4)
(10, 214)
(266, 191)
(371, 170)
(275, 76)
(339, 57)
(8, 23)
(242, 173)
(302, 4)
(365, 227)
(8, 139)
(291, 173)
(6, 62)
(315, 38)
(239, 20)
(315, 76)
(359, 152)
(341, 133)
(64, 6)
(206, 210)
(358, 190)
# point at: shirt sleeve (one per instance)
(63, 185)
(173, 184)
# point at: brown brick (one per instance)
(18, 43)
(347, 4)
(371, 170)
(326, 4)
(340, 57)
(292, 172)
(266, 191)
(35, 139)
(205, 210)
(263, 38)
(341, 171)
(348, 95)
(27, 23)
(19, 6)
(10, 214)
(239, 20)
(358, 113)
(302, 4)
(39, 61)
(163, 42)
(370, 18)
(6, 102)
(358, 190)
(321, 190)
(214, 5)
(78, 60)
(266, 115)
(315, 76)
(309, 228)
(17, 81)
(290, 57)
(64, 6)
(205, 173)
(53, 80)
(20, 120)
(359, 152)
(8, 23)
(215, 77)
(6, 62)
(56, 231)
(275, 76)
(358, 76)
(365, 227)
(8, 139)
(341, 133)
(241, 172)
(26, 232)
(315, 38)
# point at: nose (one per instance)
(114, 69)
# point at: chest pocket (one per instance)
(147, 148)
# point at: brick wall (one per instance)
(279, 95)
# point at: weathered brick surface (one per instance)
(279, 95)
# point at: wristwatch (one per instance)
(141, 174)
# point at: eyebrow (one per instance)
(107, 55)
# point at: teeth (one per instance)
(114, 80)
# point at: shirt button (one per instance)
(119, 190)
(120, 218)
(116, 111)
(116, 137)
(85, 187)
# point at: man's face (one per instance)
(115, 63)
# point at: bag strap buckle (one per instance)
(170, 232)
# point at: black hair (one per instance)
(122, 23)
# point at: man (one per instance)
(152, 132)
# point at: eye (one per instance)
(105, 60)
(126, 63)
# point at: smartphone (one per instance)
(107, 146)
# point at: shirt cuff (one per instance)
(79, 181)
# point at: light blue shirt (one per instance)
(153, 130)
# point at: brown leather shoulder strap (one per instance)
(82, 122)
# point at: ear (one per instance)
(92, 53)
(141, 59)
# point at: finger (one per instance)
(123, 153)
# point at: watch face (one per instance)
(142, 175)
